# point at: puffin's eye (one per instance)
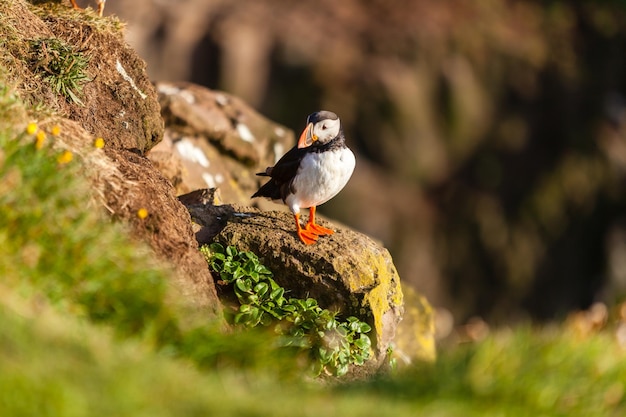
(323, 127)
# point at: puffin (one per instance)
(311, 173)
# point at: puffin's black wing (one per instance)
(270, 189)
(281, 174)
(287, 166)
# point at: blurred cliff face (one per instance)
(490, 136)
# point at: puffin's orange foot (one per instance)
(307, 236)
(318, 230)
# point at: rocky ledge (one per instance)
(347, 272)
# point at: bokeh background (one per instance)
(490, 135)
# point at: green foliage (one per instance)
(301, 323)
(60, 65)
(54, 364)
(517, 372)
(50, 238)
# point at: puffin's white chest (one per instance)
(320, 177)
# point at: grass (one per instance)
(61, 66)
(523, 372)
(52, 239)
(55, 364)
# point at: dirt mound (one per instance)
(78, 73)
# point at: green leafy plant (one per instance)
(60, 65)
(301, 323)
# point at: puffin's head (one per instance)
(321, 127)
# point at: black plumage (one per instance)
(281, 175)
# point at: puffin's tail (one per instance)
(269, 189)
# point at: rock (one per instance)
(207, 212)
(168, 161)
(347, 272)
(218, 139)
(415, 340)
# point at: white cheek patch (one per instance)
(331, 131)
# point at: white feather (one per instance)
(320, 177)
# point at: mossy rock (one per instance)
(347, 272)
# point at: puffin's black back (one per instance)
(283, 173)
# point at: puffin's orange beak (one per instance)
(307, 138)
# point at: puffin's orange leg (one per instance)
(316, 228)
(305, 236)
(74, 5)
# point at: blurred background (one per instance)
(490, 135)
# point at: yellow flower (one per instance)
(142, 213)
(99, 143)
(40, 139)
(31, 128)
(65, 157)
(56, 130)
